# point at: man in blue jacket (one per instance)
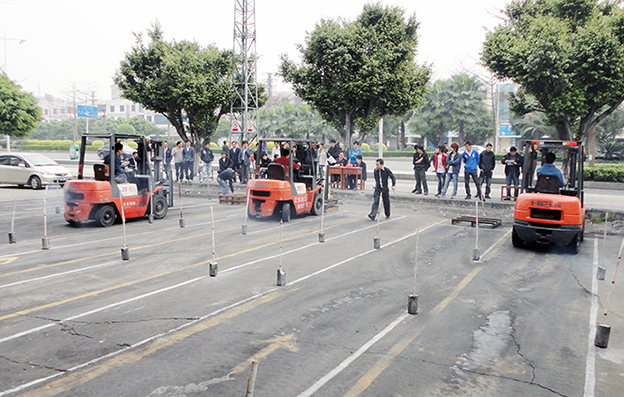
(550, 169)
(471, 168)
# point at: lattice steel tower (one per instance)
(244, 109)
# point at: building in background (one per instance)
(505, 137)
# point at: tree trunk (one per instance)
(591, 147)
(347, 137)
(403, 142)
(461, 134)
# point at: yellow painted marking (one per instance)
(383, 363)
(6, 261)
(286, 342)
(129, 283)
(76, 379)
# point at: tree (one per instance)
(19, 112)
(568, 57)
(189, 84)
(533, 126)
(607, 132)
(294, 120)
(354, 73)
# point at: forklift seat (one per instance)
(276, 171)
(547, 184)
(101, 172)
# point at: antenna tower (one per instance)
(244, 109)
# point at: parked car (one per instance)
(32, 169)
(478, 148)
(125, 155)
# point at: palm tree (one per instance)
(533, 126)
(467, 102)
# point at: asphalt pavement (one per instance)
(78, 321)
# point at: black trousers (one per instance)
(385, 195)
(475, 179)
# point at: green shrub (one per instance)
(97, 144)
(133, 145)
(376, 147)
(605, 173)
(366, 147)
(214, 146)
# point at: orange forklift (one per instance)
(283, 191)
(99, 199)
(545, 213)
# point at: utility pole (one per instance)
(244, 109)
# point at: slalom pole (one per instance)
(377, 240)
(244, 225)
(180, 197)
(58, 205)
(45, 243)
(602, 270)
(213, 266)
(603, 330)
(412, 300)
(11, 233)
(150, 218)
(125, 252)
(281, 274)
(321, 235)
(475, 252)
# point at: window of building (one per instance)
(133, 108)
(55, 111)
(46, 112)
(112, 109)
(149, 118)
(140, 108)
(121, 108)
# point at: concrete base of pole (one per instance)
(12, 238)
(125, 253)
(321, 237)
(600, 274)
(412, 304)
(602, 335)
(57, 210)
(281, 278)
(150, 218)
(475, 255)
(181, 222)
(213, 268)
(244, 230)
(376, 243)
(45, 243)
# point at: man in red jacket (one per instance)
(440, 167)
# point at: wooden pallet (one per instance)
(232, 199)
(492, 222)
(331, 205)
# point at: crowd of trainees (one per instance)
(478, 167)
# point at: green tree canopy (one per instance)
(189, 84)
(354, 73)
(19, 112)
(294, 120)
(568, 57)
(64, 129)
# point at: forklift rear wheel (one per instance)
(317, 204)
(575, 244)
(515, 239)
(285, 212)
(160, 207)
(105, 216)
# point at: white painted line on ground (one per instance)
(331, 374)
(56, 274)
(154, 337)
(590, 360)
(494, 245)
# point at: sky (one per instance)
(53, 46)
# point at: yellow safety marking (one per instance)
(287, 342)
(383, 363)
(6, 261)
(79, 378)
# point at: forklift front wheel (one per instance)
(516, 241)
(317, 204)
(285, 212)
(160, 207)
(105, 216)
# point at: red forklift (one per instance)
(544, 213)
(99, 199)
(283, 191)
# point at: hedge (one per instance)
(605, 173)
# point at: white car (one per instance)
(32, 169)
(478, 148)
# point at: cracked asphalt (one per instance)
(78, 321)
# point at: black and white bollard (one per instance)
(475, 252)
(412, 300)
(45, 242)
(12, 233)
(602, 335)
(180, 198)
(125, 251)
(58, 205)
(376, 239)
(213, 266)
(281, 274)
(244, 225)
(321, 235)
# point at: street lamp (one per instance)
(5, 39)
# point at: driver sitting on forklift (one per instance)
(285, 161)
(550, 169)
(121, 175)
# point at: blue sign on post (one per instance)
(89, 112)
(504, 130)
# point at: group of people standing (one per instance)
(477, 167)
(183, 160)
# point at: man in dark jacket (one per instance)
(235, 155)
(334, 150)
(207, 157)
(421, 164)
(188, 161)
(226, 176)
(513, 162)
(381, 188)
(224, 162)
(487, 162)
(245, 162)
